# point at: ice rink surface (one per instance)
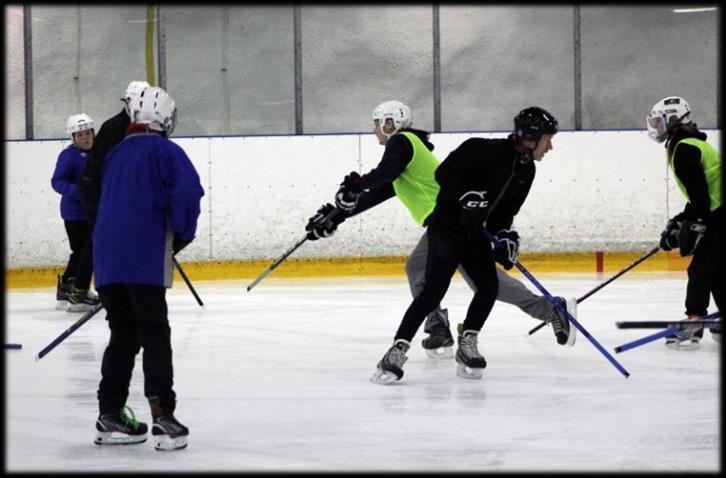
(277, 379)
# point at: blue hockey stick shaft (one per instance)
(656, 336)
(86, 317)
(561, 309)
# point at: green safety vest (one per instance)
(416, 187)
(711, 162)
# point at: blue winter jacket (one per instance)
(149, 191)
(68, 168)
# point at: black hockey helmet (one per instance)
(531, 123)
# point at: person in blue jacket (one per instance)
(148, 211)
(72, 292)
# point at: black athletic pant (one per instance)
(705, 271)
(80, 262)
(137, 317)
(446, 251)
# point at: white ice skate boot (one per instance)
(564, 331)
(439, 344)
(389, 368)
(688, 337)
(167, 432)
(119, 428)
(469, 362)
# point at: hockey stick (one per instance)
(86, 317)
(186, 279)
(663, 324)
(277, 262)
(285, 255)
(561, 309)
(652, 251)
(656, 336)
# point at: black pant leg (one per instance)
(151, 311)
(703, 272)
(80, 263)
(479, 265)
(441, 262)
(120, 354)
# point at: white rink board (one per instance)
(594, 191)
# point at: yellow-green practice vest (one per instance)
(711, 162)
(416, 187)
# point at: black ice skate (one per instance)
(564, 331)
(469, 362)
(81, 300)
(62, 291)
(168, 433)
(686, 338)
(120, 428)
(389, 368)
(439, 343)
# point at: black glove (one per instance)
(507, 250)
(474, 206)
(690, 236)
(669, 236)
(323, 224)
(178, 244)
(347, 196)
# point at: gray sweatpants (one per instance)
(511, 290)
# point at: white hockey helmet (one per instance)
(665, 115)
(134, 88)
(78, 123)
(396, 111)
(154, 106)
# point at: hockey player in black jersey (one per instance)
(483, 183)
(407, 171)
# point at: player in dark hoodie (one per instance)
(406, 171)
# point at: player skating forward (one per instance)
(695, 231)
(483, 182)
(406, 171)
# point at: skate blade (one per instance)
(684, 345)
(167, 443)
(572, 309)
(61, 305)
(381, 377)
(79, 307)
(115, 438)
(440, 353)
(467, 372)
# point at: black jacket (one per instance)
(688, 168)
(494, 166)
(378, 182)
(112, 132)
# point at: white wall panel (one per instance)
(594, 191)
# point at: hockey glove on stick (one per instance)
(669, 236)
(323, 224)
(347, 196)
(507, 251)
(690, 236)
